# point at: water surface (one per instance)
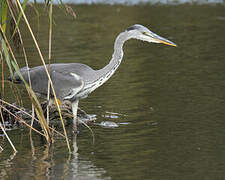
(171, 100)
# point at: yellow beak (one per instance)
(168, 43)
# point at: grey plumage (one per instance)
(61, 77)
(74, 81)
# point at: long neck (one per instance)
(106, 72)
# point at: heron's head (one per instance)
(138, 31)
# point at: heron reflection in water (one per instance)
(75, 81)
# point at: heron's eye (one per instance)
(145, 33)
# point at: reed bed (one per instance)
(13, 9)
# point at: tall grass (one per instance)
(3, 13)
(15, 10)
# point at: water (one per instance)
(168, 102)
(137, 2)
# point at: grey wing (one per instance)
(38, 77)
(66, 85)
(82, 70)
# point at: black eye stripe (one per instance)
(131, 28)
(136, 26)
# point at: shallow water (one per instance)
(168, 102)
(137, 2)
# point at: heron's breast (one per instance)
(89, 87)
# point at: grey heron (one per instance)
(75, 81)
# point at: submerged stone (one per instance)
(108, 124)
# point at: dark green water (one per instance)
(172, 100)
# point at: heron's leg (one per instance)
(74, 109)
(49, 104)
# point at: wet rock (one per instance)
(108, 124)
(11, 115)
(67, 114)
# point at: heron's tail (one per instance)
(15, 78)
